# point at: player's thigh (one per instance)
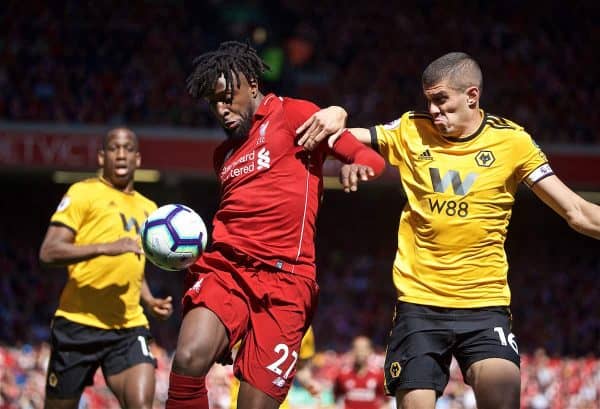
(254, 398)
(134, 387)
(488, 355)
(267, 359)
(74, 359)
(415, 398)
(216, 317)
(128, 366)
(485, 333)
(496, 383)
(53, 403)
(418, 353)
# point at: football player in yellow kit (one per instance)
(99, 320)
(460, 168)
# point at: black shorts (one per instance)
(78, 350)
(424, 339)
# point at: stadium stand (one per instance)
(114, 63)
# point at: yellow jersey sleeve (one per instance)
(532, 164)
(388, 140)
(72, 209)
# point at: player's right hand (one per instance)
(161, 308)
(121, 246)
(328, 122)
(350, 174)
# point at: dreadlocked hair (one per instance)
(230, 59)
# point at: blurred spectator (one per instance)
(360, 384)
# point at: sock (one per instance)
(187, 392)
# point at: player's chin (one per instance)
(120, 179)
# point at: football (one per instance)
(173, 237)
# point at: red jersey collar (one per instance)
(265, 106)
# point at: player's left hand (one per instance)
(328, 122)
(161, 308)
(350, 174)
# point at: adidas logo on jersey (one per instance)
(426, 155)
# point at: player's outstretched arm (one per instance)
(327, 123)
(59, 248)
(361, 163)
(581, 215)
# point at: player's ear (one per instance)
(138, 160)
(472, 96)
(253, 86)
(101, 158)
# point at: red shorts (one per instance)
(266, 308)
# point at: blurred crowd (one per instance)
(547, 383)
(117, 62)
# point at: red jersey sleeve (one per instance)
(297, 111)
(348, 149)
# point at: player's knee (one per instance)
(191, 361)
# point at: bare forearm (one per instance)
(363, 135)
(146, 294)
(60, 253)
(586, 219)
(582, 216)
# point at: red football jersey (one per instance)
(271, 188)
(363, 390)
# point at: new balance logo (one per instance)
(264, 159)
(451, 178)
(279, 382)
(426, 155)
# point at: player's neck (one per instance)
(360, 368)
(256, 102)
(128, 188)
(473, 124)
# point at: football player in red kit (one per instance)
(360, 385)
(257, 282)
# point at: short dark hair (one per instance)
(110, 133)
(460, 69)
(230, 59)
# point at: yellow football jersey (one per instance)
(307, 351)
(103, 292)
(460, 193)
